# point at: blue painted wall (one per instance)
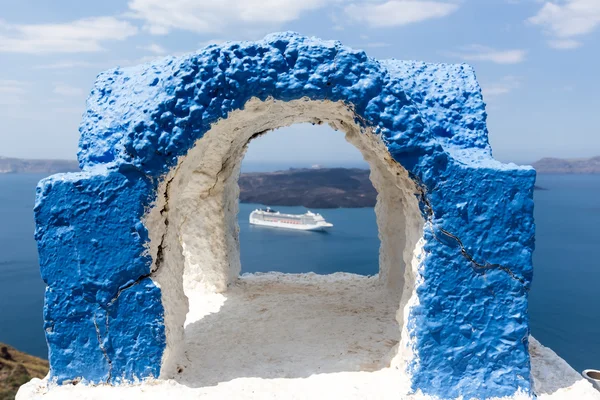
(91, 246)
(471, 326)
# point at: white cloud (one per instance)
(567, 19)
(371, 45)
(565, 44)
(337, 21)
(84, 35)
(12, 92)
(572, 18)
(483, 53)
(76, 111)
(66, 65)
(398, 12)
(8, 86)
(504, 86)
(375, 45)
(205, 43)
(215, 16)
(154, 48)
(258, 16)
(64, 89)
(141, 60)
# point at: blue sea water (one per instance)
(563, 301)
(565, 292)
(351, 246)
(21, 288)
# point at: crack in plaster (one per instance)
(218, 174)
(225, 163)
(159, 260)
(107, 323)
(477, 265)
(108, 360)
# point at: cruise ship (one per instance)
(305, 222)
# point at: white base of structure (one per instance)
(553, 378)
(280, 336)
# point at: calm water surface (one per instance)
(563, 306)
(564, 297)
(21, 288)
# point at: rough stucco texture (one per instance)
(104, 318)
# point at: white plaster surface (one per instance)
(194, 218)
(553, 378)
(277, 336)
(290, 326)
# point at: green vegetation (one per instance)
(17, 368)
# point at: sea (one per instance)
(564, 298)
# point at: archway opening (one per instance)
(247, 326)
(301, 169)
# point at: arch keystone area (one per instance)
(133, 242)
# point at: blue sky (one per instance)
(537, 61)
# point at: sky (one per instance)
(273, 151)
(537, 61)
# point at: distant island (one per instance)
(24, 166)
(312, 188)
(568, 166)
(547, 165)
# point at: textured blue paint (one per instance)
(137, 316)
(471, 325)
(91, 244)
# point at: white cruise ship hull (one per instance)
(298, 227)
(299, 222)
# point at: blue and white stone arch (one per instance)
(153, 211)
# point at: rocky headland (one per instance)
(551, 165)
(547, 165)
(313, 188)
(33, 166)
(17, 368)
(308, 187)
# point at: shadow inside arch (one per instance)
(290, 326)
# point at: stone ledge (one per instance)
(346, 308)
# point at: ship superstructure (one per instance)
(306, 222)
